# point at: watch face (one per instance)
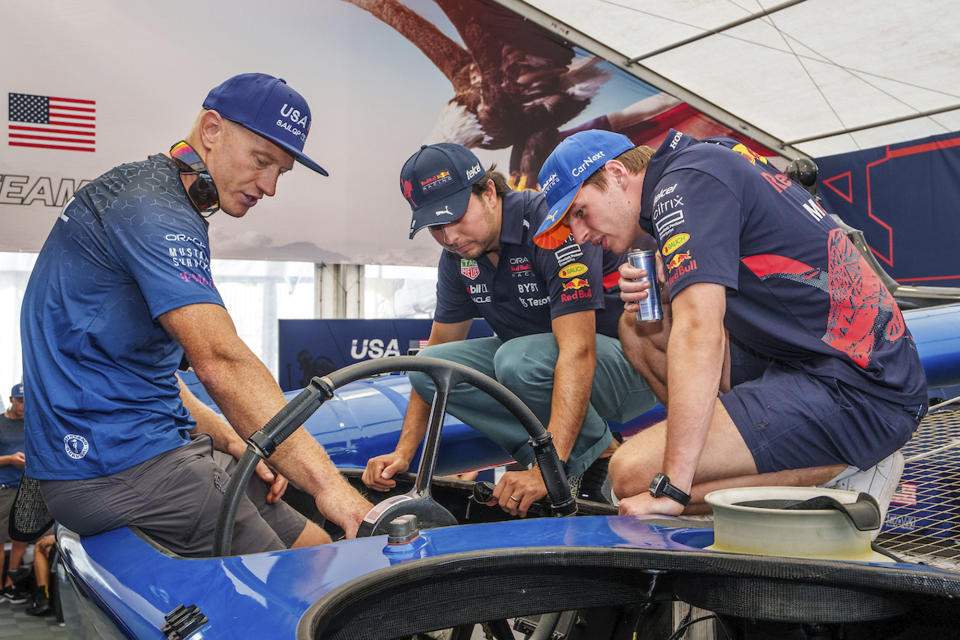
(656, 487)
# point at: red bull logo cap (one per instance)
(268, 107)
(573, 161)
(437, 182)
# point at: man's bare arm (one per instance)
(227, 440)
(381, 469)
(576, 336)
(224, 436)
(242, 387)
(695, 358)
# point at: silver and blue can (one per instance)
(650, 308)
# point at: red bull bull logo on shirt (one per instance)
(575, 283)
(678, 259)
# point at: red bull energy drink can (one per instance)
(650, 309)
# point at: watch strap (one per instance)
(661, 487)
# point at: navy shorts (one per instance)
(790, 419)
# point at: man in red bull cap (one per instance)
(554, 313)
(121, 291)
(819, 380)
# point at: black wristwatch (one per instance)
(661, 488)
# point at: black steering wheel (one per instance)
(445, 375)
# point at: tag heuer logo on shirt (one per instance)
(469, 268)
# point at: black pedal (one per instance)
(183, 621)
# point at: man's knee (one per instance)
(523, 363)
(311, 535)
(421, 382)
(631, 470)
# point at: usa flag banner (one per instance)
(47, 122)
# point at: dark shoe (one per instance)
(40, 606)
(13, 595)
(20, 574)
(591, 486)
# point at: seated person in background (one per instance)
(840, 389)
(11, 469)
(121, 290)
(554, 313)
(41, 574)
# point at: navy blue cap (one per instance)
(436, 182)
(564, 172)
(17, 391)
(268, 107)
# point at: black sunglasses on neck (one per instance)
(203, 192)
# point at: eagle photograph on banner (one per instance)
(382, 78)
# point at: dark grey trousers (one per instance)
(175, 498)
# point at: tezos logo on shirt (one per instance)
(75, 446)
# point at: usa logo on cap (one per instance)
(269, 107)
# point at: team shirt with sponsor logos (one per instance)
(798, 291)
(99, 366)
(529, 286)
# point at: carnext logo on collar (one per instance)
(586, 163)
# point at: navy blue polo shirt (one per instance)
(11, 441)
(529, 286)
(100, 369)
(798, 291)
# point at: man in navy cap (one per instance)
(11, 468)
(820, 379)
(554, 313)
(121, 290)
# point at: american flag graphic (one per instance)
(46, 122)
(906, 494)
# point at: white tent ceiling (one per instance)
(786, 74)
(790, 74)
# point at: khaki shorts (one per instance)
(7, 495)
(175, 498)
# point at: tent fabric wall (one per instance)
(904, 197)
(383, 78)
(795, 70)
